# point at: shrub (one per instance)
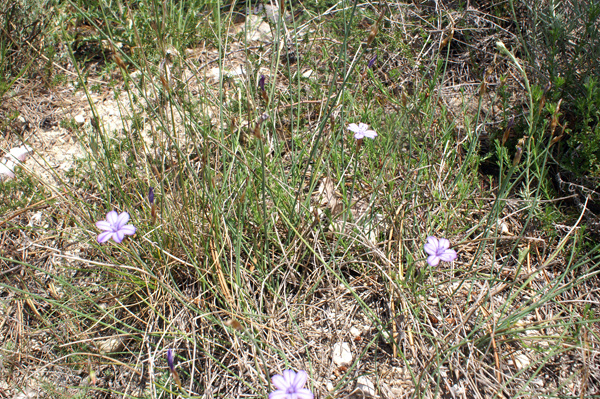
(562, 43)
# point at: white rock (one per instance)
(543, 344)
(538, 381)
(341, 354)
(272, 12)
(263, 33)
(7, 169)
(14, 157)
(255, 29)
(172, 52)
(80, 119)
(329, 386)
(503, 227)
(365, 385)
(215, 73)
(110, 345)
(521, 361)
(355, 332)
(387, 337)
(19, 153)
(458, 390)
(35, 220)
(307, 74)
(28, 393)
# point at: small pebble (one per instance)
(365, 385)
(80, 119)
(341, 354)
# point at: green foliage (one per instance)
(583, 154)
(563, 44)
(19, 192)
(22, 27)
(98, 27)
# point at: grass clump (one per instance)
(23, 35)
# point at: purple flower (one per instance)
(171, 364)
(511, 123)
(362, 130)
(115, 227)
(261, 82)
(151, 195)
(438, 250)
(170, 360)
(372, 61)
(289, 386)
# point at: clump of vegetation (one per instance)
(24, 41)
(563, 45)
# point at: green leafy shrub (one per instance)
(563, 45)
(583, 153)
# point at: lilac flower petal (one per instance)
(118, 236)
(170, 359)
(363, 126)
(122, 220)
(104, 225)
(353, 127)
(111, 217)
(431, 246)
(289, 376)
(443, 244)
(371, 134)
(103, 237)
(151, 195)
(304, 394)
(433, 260)
(300, 379)
(431, 250)
(279, 382)
(372, 61)
(448, 255)
(279, 394)
(128, 229)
